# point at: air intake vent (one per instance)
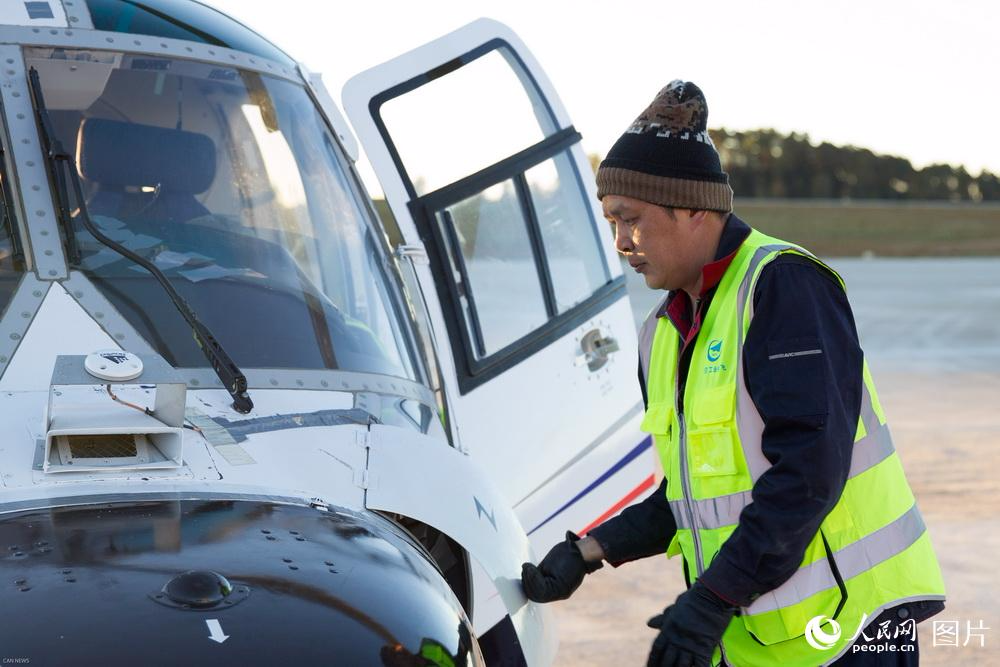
(91, 428)
(87, 450)
(101, 446)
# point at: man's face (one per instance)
(665, 249)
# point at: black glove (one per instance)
(559, 574)
(690, 629)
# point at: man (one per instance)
(799, 535)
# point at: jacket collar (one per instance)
(677, 307)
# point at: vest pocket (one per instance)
(659, 422)
(658, 418)
(712, 451)
(789, 621)
(714, 405)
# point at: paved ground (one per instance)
(931, 330)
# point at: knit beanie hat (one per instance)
(666, 157)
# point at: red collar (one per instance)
(678, 307)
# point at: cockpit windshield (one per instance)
(230, 182)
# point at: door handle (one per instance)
(594, 350)
(414, 251)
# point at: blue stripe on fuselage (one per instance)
(636, 451)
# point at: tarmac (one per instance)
(931, 332)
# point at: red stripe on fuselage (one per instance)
(632, 495)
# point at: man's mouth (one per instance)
(637, 266)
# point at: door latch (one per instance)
(594, 349)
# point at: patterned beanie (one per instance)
(666, 157)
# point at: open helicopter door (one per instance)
(495, 203)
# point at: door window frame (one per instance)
(473, 366)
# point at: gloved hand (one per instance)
(559, 574)
(690, 629)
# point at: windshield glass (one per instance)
(230, 182)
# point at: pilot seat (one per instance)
(145, 176)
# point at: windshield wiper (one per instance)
(229, 373)
(17, 248)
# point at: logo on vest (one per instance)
(713, 354)
(818, 638)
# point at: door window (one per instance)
(572, 247)
(492, 263)
(463, 121)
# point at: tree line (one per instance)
(767, 163)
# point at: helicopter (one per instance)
(251, 415)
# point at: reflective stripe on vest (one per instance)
(852, 560)
(872, 549)
(722, 511)
(646, 333)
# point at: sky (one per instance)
(915, 79)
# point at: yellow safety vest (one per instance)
(872, 550)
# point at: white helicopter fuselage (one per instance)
(463, 368)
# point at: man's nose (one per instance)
(623, 240)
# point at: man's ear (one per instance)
(699, 216)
